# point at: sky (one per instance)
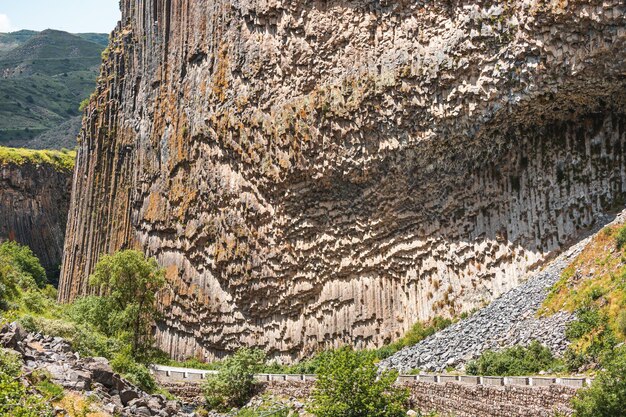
(74, 16)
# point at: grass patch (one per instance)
(593, 287)
(61, 160)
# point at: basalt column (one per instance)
(34, 201)
(312, 173)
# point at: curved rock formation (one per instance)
(314, 173)
(34, 201)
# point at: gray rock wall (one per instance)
(315, 173)
(34, 202)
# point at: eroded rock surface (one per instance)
(87, 376)
(510, 320)
(34, 202)
(313, 173)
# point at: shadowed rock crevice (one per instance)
(34, 202)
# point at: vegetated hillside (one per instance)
(35, 191)
(9, 41)
(309, 184)
(594, 288)
(50, 52)
(43, 79)
(99, 38)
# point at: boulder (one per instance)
(127, 396)
(10, 336)
(101, 372)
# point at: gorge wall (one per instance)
(34, 202)
(312, 173)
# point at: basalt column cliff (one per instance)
(312, 173)
(34, 200)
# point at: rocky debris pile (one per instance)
(88, 376)
(509, 320)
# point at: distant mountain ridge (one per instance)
(50, 52)
(43, 78)
(12, 40)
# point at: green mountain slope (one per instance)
(12, 40)
(43, 79)
(99, 38)
(50, 52)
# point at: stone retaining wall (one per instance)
(460, 396)
(462, 400)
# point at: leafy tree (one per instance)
(348, 385)
(23, 261)
(607, 395)
(131, 283)
(233, 385)
(20, 271)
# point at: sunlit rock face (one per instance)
(315, 173)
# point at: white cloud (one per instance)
(5, 23)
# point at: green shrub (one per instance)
(386, 351)
(134, 372)
(574, 360)
(48, 389)
(621, 323)
(98, 312)
(16, 400)
(517, 360)
(587, 319)
(471, 368)
(421, 331)
(348, 385)
(620, 239)
(306, 366)
(84, 338)
(592, 334)
(83, 105)
(263, 412)
(10, 364)
(19, 271)
(233, 385)
(24, 260)
(35, 302)
(418, 332)
(607, 395)
(189, 363)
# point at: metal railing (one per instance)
(198, 375)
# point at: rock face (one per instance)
(90, 376)
(312, 173)
(34, 201)
(510, 320)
